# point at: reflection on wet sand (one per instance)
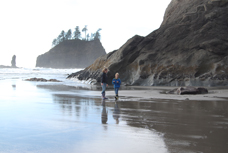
(104, 114)
(116, 113)
(186, 126)
(14, 86)
(64, 119)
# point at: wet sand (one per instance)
(138, 93)
(57, 118)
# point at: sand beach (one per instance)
(72, 117)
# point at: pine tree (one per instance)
(84, 30)
(97, 35)
(77, 33)
(68, 35)
(62, 36)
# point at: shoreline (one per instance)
(148, 93)
(67, 114)
(159, 93)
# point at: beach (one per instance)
(70, 116)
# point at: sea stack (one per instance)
(13, 61)
(71, 54)
(189, 49)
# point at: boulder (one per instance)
(42, 80)
(189, 49)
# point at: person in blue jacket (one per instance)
(117, 82)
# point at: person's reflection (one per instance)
(104, 113)
(14, 86)
(116, 113)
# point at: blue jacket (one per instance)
(116, 85)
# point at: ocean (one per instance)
(26, 73)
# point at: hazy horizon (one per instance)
(29, 27)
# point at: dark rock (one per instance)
(202, 90)
(13, 62)
(71, 54)
(189, 49)
(42, 80)
(191, 90)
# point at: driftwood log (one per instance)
(189, 90)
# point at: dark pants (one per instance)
(116, 90)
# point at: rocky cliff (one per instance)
(71, 54)
(189, 48)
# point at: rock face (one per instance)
(71, 54)
(189, 49)
(13, 61)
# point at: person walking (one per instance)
(104, 82)
(117, 82)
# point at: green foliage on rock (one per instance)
(76, 35)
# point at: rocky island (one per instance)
(13, 63)
(71, 54)
(189, 48)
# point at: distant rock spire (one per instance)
(13, 61)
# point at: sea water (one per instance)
(26, 73)
(60, 117)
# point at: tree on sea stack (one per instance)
(54, 42)
(88, 36)
(68, 35)
(97, 35)
(77, 33)
(92, 36)
(84, 30)
(62, 36)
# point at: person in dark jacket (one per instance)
(117, 82)
(104, 82)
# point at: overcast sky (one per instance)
(28, 27)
